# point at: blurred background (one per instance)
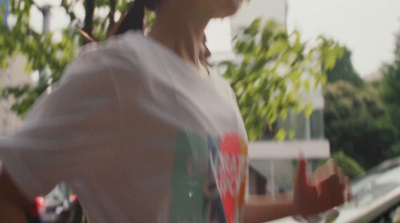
(320, 77)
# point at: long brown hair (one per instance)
(131, 19)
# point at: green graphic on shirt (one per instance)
(188, 178)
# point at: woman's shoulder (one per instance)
(122, 53)
(121, 48)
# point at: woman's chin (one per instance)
(229, 10)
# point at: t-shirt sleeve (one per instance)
(67, 134)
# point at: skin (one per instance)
(183, 33)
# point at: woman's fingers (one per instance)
(331, 181)
(327, 170)
(331, 192)
(323, 172)
(302, 176)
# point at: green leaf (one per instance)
(308, 110)
(306, 85)
(280, 135)
(4, 63)
(271, 117)
(259, 65)
(330, 61)
(283, 114)
(266, 36)
(252, 30)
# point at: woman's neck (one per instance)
(181, 32)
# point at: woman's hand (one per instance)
(328, 189)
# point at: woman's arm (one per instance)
(263, 208)
(13, 204)
(327, 190)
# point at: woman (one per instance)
(143, 132)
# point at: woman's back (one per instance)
(139, 136)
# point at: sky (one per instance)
(366, 27)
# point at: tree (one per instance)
(355, 123)
(390, 89)
(349, 166)
(344, 70)
(275, 68)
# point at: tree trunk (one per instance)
(88, 23)
(111, 15)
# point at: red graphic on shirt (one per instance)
(232, 174)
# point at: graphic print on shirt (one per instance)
(209, 178)
(232, 174)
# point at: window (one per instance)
(311, 128)
(317, 124)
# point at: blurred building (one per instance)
(272, 163)
(221, 31)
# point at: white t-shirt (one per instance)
(138, 135)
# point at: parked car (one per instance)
(376, 199)
(376, 196)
